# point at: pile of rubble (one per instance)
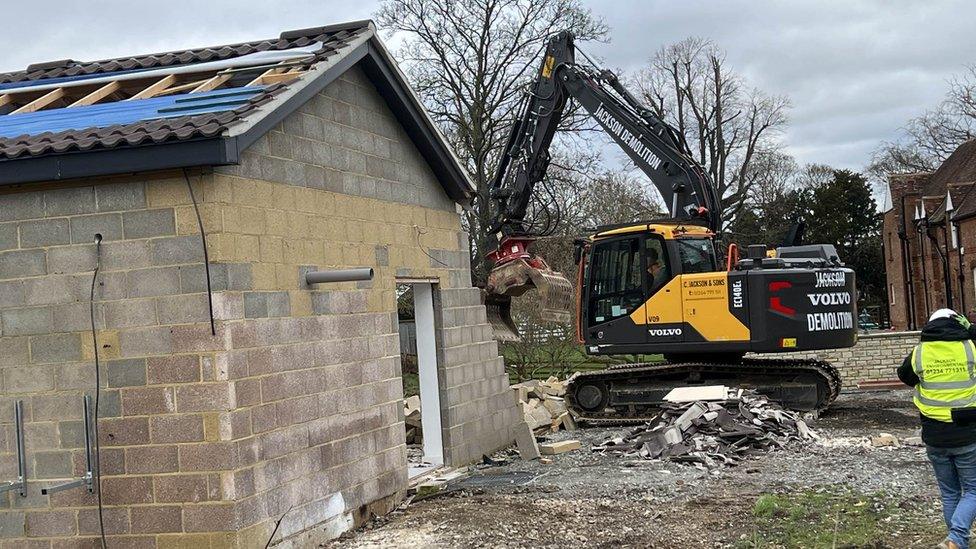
(736, 425)
(411, 416)
(543, 405)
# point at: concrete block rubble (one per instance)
(713, 433)
(543, 405)
(411, 417)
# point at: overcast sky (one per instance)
(855, 71)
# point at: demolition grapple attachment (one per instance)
(513, 277)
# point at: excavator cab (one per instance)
(631, 287)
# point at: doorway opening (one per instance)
(418, 365)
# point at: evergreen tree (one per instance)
(769, 223)
(843, 212)
(837, 207)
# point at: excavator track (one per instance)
(631, 393)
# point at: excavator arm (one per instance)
(655, 148)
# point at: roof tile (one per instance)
(166, 129)
(958, 168)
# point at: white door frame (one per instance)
(430, 399)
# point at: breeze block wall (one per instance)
(162, 390)
(340, 184)
(293, 411)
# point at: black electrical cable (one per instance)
(421, 246)
(206, 255)
(98, 391)
(277, 525)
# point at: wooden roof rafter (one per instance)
(97, 95)
(31, 96)
(41, 102)
(272, 70)
(213, 83)
(169, 84)
(156, 87)
(286, 71)
(279, 78)
(181, 88)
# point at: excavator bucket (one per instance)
(514, 278)
(499, 309)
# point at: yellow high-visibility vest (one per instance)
(947, 380)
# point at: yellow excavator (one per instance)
(656, 287)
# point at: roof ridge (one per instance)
(316, 31)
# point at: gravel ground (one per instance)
(586, 499)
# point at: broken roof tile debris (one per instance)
(713, 433)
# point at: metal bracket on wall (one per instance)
(21, 483)
(87, 480)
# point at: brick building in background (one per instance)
(304, 152)
(929, 252)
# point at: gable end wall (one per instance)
(339, 184)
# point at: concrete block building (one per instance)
(929, 239)
(232, 395)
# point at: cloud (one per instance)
(856, 71)
(99, 29)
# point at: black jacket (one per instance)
(934, 432)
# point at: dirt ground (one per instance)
(840, 492)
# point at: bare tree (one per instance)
(469, 60)
(727, 124)
(771, 173)
(899, 157)
(590, 201)
(813, 176)
(619, 197)
(929, 139)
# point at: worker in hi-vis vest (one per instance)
(941, 369)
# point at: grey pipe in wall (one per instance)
(339, 275)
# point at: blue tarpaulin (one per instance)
(124, 112)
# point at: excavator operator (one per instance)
(655, 267)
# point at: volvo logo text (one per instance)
(664, 332)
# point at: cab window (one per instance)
(697, 255)
(615, 279)
(657, 272)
